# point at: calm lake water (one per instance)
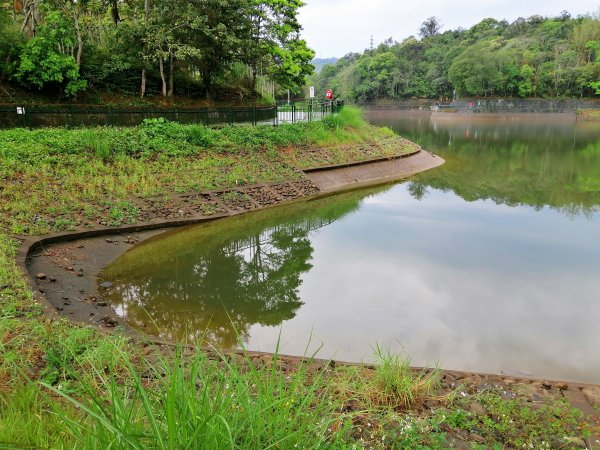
(488, 263)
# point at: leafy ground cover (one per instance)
(66, 386)
(59, 179)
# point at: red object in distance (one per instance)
(329, 94)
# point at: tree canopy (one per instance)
(534, 57)
(158, 46)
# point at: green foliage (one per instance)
(61, 179)
(544, 57)
(16, 300)
(517, 425)
(10, 42)
(348, 117)
(194, 402)
(44, 60)
(154, 47)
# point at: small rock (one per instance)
(561, 386)
(65, 298)
(109, 321)
(477, 409)
(546, 385)
(79, 274)
(105, 284)
(592, 394)
(80, 246)
(51, 279)
(70, 269)
(102, 304)
(477, 438)
(41, 276)
(110, 241)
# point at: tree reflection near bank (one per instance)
(534, 160)
(213, 282)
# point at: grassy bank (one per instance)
(65, 386)
(588, 114)
(58, 179)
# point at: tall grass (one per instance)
(395, 383)
(194, 402)
(392, 385)
(174, 139)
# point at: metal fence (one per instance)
(77, 116)
(306, 111)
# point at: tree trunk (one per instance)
(144, 56)
(79, 39)
(30, 18)
(171, 72)
(143, 84)
(253, 78)
(161, 67)
(114, 10)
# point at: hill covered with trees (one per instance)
(534, 57)
(158, 47)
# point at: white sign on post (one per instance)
(20, 110)
(312, 92)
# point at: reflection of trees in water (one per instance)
(216, 282)
(536, 165)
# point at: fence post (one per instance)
(276, 116)
(254, 116)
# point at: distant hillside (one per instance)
(320, 62)
(536, 57)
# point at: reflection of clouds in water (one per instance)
(467, 289)
(476, 320)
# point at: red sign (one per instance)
(329, 94)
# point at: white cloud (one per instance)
(334, 27)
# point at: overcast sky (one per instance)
(337, 27)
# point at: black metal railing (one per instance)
(82, 116)
(307, 111)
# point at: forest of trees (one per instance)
(534, 57)
(164, 47)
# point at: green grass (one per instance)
(58, 179)
(194, 402)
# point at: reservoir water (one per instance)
(489, 263)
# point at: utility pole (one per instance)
(371, 42)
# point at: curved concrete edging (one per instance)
(337, 172)
(359, 163)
